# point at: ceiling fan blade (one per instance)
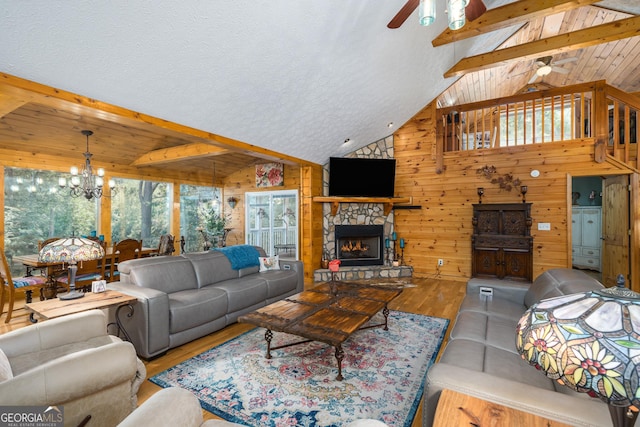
(560, 70)
(474, 9)
(564, 61)
(533, 79)
(403, 14)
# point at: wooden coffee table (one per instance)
(329, 313)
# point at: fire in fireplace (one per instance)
(359, 244)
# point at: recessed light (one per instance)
(535, 173)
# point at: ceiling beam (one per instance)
(616, 30)
(179, 153)
(508, 15)
(8, 104)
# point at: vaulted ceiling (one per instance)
(257, 78)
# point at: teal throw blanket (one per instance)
(241, 256)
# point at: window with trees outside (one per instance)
(36, 208)
(200, 215)
(140, 210)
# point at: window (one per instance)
(35, 208)
(271, 222)
(197, 204)
(140, 210)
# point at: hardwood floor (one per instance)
(432, 297)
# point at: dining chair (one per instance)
(122, 251)
(166, 245)
(11, 286)
(88, 271)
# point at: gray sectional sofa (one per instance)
(481, 360)
(181, 298)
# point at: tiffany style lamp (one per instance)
(71, 250)
(589, 342)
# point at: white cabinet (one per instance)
(586, 237)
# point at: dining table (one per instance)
(32, 262)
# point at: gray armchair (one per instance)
(72, 362)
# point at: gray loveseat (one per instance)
(481, 360)
(181, 298)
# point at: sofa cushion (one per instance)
(495, 306)
(244, 292)
(125, 267)
(211, 267)
(195, 307)
(280, 281)
(559, 281)
(478, 357)
(496, 331)
(167, 277)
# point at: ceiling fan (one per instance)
(545, 66)
(474, 9)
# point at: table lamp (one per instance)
(590, 342)
(71, 250)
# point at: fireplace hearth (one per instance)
(359, 244)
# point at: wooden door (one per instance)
(615, 229)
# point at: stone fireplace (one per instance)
(360, 215)
(359, 244)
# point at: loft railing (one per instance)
(587, 111)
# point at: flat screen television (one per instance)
(358, 177)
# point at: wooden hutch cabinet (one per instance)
(501, 243)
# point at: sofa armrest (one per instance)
(72, 376)
(148, 326)
(506, 289)
(298, 267)
(578, 410)
(171, 406)
(54, 333)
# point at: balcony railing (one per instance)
(592, 110)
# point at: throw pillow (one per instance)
(5, 367)
(268, 263)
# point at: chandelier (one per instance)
(85, 183)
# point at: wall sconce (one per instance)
(480, 194)
(232, 202)
(523, 191)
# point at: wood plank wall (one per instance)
(442, 228)
(243, 181)
(308, 180)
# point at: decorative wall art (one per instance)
(270, 175)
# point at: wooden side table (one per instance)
(52, 308)
(457, 409)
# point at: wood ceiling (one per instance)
(35, 119)
(581, 33)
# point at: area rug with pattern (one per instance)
(384, 373)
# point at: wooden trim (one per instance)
(388, 202)
(27, 90)
(492, 103)
(611, 31)
(508, 15)
(634, 244)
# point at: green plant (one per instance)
(213, 222)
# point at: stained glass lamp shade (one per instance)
(71, 250)
(590, 342)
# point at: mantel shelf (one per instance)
(388, 202)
